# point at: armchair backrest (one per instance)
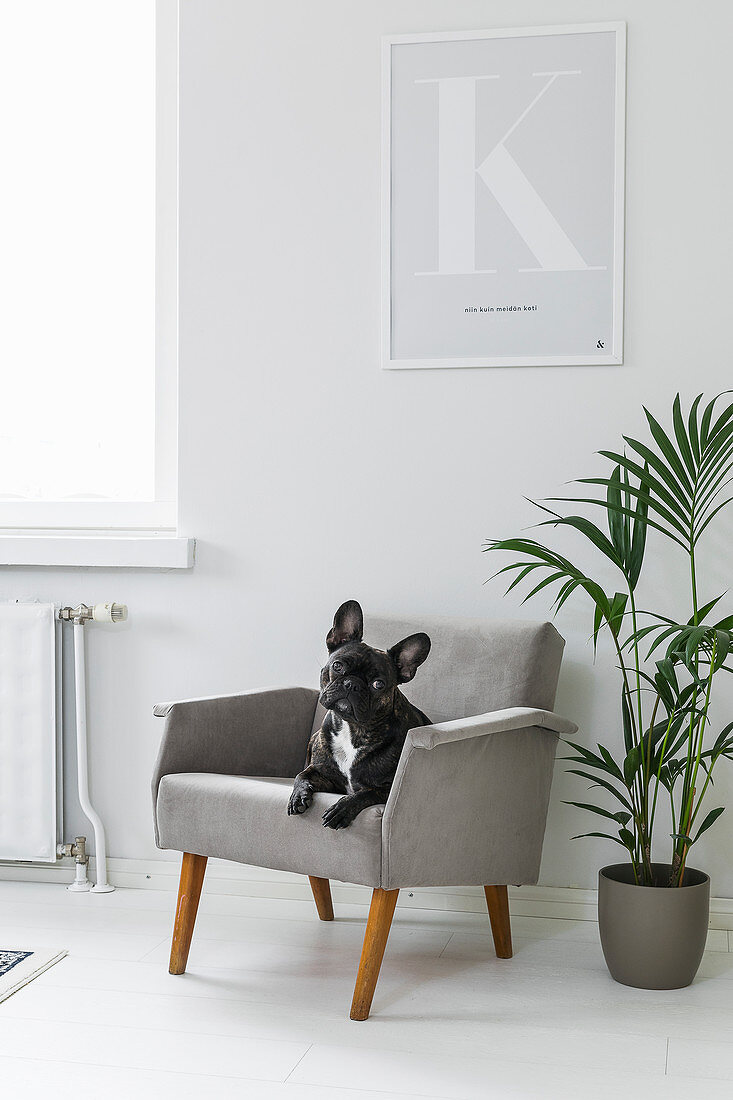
(476, 665)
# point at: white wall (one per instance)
(307, 474)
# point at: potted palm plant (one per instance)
(654, 907)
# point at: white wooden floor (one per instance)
(263, 1009)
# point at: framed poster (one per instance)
(503, 197)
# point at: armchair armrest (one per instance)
(263, 732)
(496, 721)
(469, 801)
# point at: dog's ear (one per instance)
(408, 655)
(348, 625)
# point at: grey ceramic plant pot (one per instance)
(653, 936)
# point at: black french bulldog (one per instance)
(355, 752)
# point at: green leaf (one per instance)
(675, 496)
(665, 694)
(705, 424)
(606, 836)
(694, 638)
(550, 558)
(599, 810)
(710, 518)
(523, 572)
(662, 636)
(617, 610)
(713, 476)
(722, 647)
(566, 591)
(667, 672)
(668, 450)
(616, 525)
(692, 428)
(705, 609)
(626, 481)
(598, 782)
(666, 684)
(628, 725)
(612, 766)
(632, 763)
(590, 531)
(590, 758)
(676, 525)
(638, 540)
(722, 738)
(597, 624)
(683, 442)
(720, 423)
(665, 777)
(527, 546)
(677, 736)
(666, 490)
(627, 839)
(711, 818)
(717, 450)
(543, 584)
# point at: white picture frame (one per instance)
(456, 312)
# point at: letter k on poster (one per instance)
(503, 189)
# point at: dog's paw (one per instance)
(300, 800)
(340, 815)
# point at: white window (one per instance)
(87, 302)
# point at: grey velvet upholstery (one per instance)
(469, 801)
(226, 815)
(255, 733)
(475, 666)
(440, 829)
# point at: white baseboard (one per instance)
(223, 877)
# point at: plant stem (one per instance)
(686, 801)
(659, 772)
(642, 837)
(644, 830)
(685, 845)
(636, 666)
(699, 742)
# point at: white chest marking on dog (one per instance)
(344, 752)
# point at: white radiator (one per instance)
(28, 733)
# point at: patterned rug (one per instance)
(17, 968)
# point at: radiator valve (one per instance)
(100, 613)
(78, 850)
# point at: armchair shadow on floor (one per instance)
(467, 807)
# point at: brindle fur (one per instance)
(379, 719)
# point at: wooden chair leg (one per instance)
(321, 888)
(372, 953)
(189, 892)
(497, 900)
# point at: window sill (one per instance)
(98, 551)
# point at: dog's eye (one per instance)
(337, 667)
(377, 684)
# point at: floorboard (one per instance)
(263, 1008)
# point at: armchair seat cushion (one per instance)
(244, 818)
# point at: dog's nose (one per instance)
(351, 685)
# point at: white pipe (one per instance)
(82, 768)
(81, 883)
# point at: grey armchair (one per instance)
(467, 807)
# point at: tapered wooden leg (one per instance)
(189, 892)
(321, 888)
(372, 953)
(497, 900)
